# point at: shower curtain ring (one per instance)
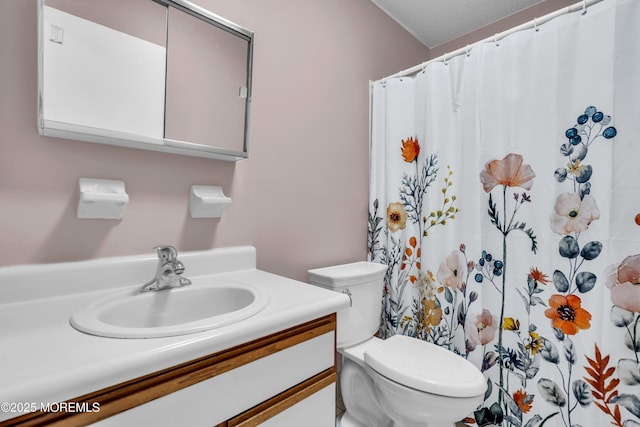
(495, 39)
(584, 7)
(468, 51)
(535, 24)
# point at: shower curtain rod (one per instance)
(534, 23)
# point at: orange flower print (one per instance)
(410, 149)
(523, 400)
(538, 276)
(567, 315)
(396, 216)
(509, 171)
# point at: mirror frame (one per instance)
(123, 139)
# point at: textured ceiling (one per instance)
(435, 22)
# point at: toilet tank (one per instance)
(364, 282)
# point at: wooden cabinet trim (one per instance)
(132, 393)
(272, 407)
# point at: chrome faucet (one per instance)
(168, 274)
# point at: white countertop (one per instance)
(45, 360)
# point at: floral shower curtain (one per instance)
(505, 198)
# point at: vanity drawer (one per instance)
(219, 398)
(311, 404)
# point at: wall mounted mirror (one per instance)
(163, 75)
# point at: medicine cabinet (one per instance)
(163, 75)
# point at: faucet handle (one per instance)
(166, 253)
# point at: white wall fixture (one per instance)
(207, 201)
(101, 199)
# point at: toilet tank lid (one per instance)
(347, 274)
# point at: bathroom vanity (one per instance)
(273, 368)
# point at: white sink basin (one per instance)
(178, 311)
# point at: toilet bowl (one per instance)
(400, 381)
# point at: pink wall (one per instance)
(301, 198)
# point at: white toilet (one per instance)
(400, 381)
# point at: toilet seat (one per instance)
(356, 352)
(425, 367)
